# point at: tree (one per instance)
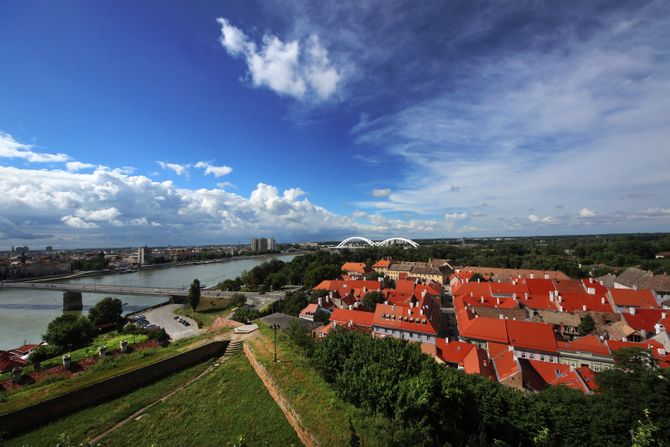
(371, 299)
(107, 310)
(587, 325)
(69, 330)
(194, 294)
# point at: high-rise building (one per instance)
(263, 244)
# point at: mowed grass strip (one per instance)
(88, 423)
(217, 410)
(332, 421)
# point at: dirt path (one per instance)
(293, 418)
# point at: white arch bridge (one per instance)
(358, 241)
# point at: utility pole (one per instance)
(274, 328)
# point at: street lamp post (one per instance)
(274, 328)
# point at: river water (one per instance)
(25, 314)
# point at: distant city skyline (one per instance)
(133, 124)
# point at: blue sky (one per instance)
(159, 123)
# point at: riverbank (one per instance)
(77, 275)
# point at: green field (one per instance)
(88, 423)
(225, 405)
(208, 310)
(315, 401)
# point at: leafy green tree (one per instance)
(193, 298)
(587, 325)
(321, 316)
(107, 310)
(371, 299)
(69, 330)
(300, 337)
(646, 433)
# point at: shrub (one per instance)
(69, 330)
(45, 352)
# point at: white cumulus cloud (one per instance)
(381, 192)
(537, 219)
(179, 169)
(302, 70)
(452, 216)
(586, 213)
(216, 171)
(77, 222)
(10, 148)
(77, 165)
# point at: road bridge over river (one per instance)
(72, 292)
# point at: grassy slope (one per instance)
(331, 420)
(215, 411)
(46, 389)
(208, 310)
(92, 421)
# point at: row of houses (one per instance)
(517, 327)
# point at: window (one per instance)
(532, 356)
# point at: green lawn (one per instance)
(90, 422)
(315, 400)
(207, 311)
(110, 366)
(215, 411)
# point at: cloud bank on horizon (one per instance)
(451, 119)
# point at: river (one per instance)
(25, 314)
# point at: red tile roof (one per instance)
(508, 288)
(8, 361)
(590, 343)
(454, 351)
(476, 362)
(633, 298)
(588, 376)
(309, 309)
(506, 365)
(495, 349)
(359, 317)
(382, 263)
(644, 319)
(355, 267)
(486, 329)
(529, 335)
(540, 286)
(572, 302)
(350, 284)
(569, 286)
(406, 318)
(590, 283)
(558, 374)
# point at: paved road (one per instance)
(164, 317)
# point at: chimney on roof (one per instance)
(532, 276)
(330, 294)
(481, 300)
(502, 317)
(602, 300)
(560, 308)
(514, 295)
(664, 315)
(320, 302)
(479, 280)
(351, 307)
(386, 302)
(472, 295)
(551, 296)
(631, 310)
(584, 307)
(365, 289)
(393, 308)
(546, 276)
(525, 295)
(421, 312)
(498, 301)
(446, 340)
(409, 311)
(423, 293)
